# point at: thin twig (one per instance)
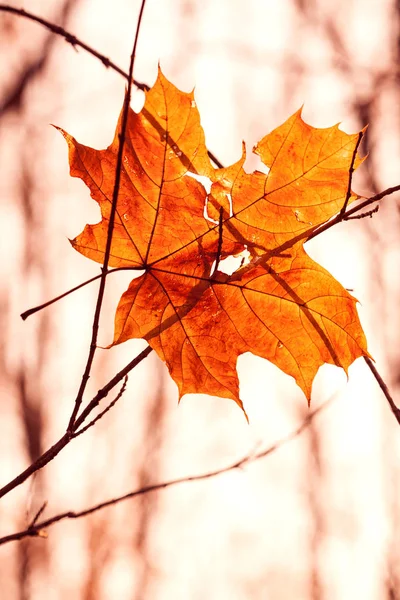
(36, 309)
(384, 388)
(369, 213)
(74, 41)
(52, 452)
(351, 171)
(101, 394)
(107, 252)
(348, 216)
(103, 412)
(39, 529)
(38, 464)
(215, 160)
(71, 39)
(109, 64)
(38, 515)
(66, 438)
(350, 212)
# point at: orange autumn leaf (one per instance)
(279, 304)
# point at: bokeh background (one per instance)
(319, 518)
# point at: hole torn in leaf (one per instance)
(233, 263)
(206, 183)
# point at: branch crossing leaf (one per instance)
(280, 304)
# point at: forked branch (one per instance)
(104, 271)
(39, 529)
(78, 421)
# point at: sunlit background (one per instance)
(319, 518)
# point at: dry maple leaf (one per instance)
(280, 305)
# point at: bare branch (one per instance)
(38, 514)
(354, 210)
(52, 452)
(75, 423)
(369, 213)
(103, 412)
(107, 252)
(39, 530)
(71, 39)
(75, 42)
(351, 171)
(36, 309)
(38, 464)
(384, 388)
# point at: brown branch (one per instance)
(107, 252)
(71, 39)
(351, 171)
(38, 464)
(215, 160)
(75, 422)
(346, 216)
(66, 438)
(103, 412)
(38, 515)
(52, 452)
(384, 388)
(110, 385)
(38, 530)
(368, 213)
(75, 42)
(36, 309)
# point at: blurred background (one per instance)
(317, 519)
